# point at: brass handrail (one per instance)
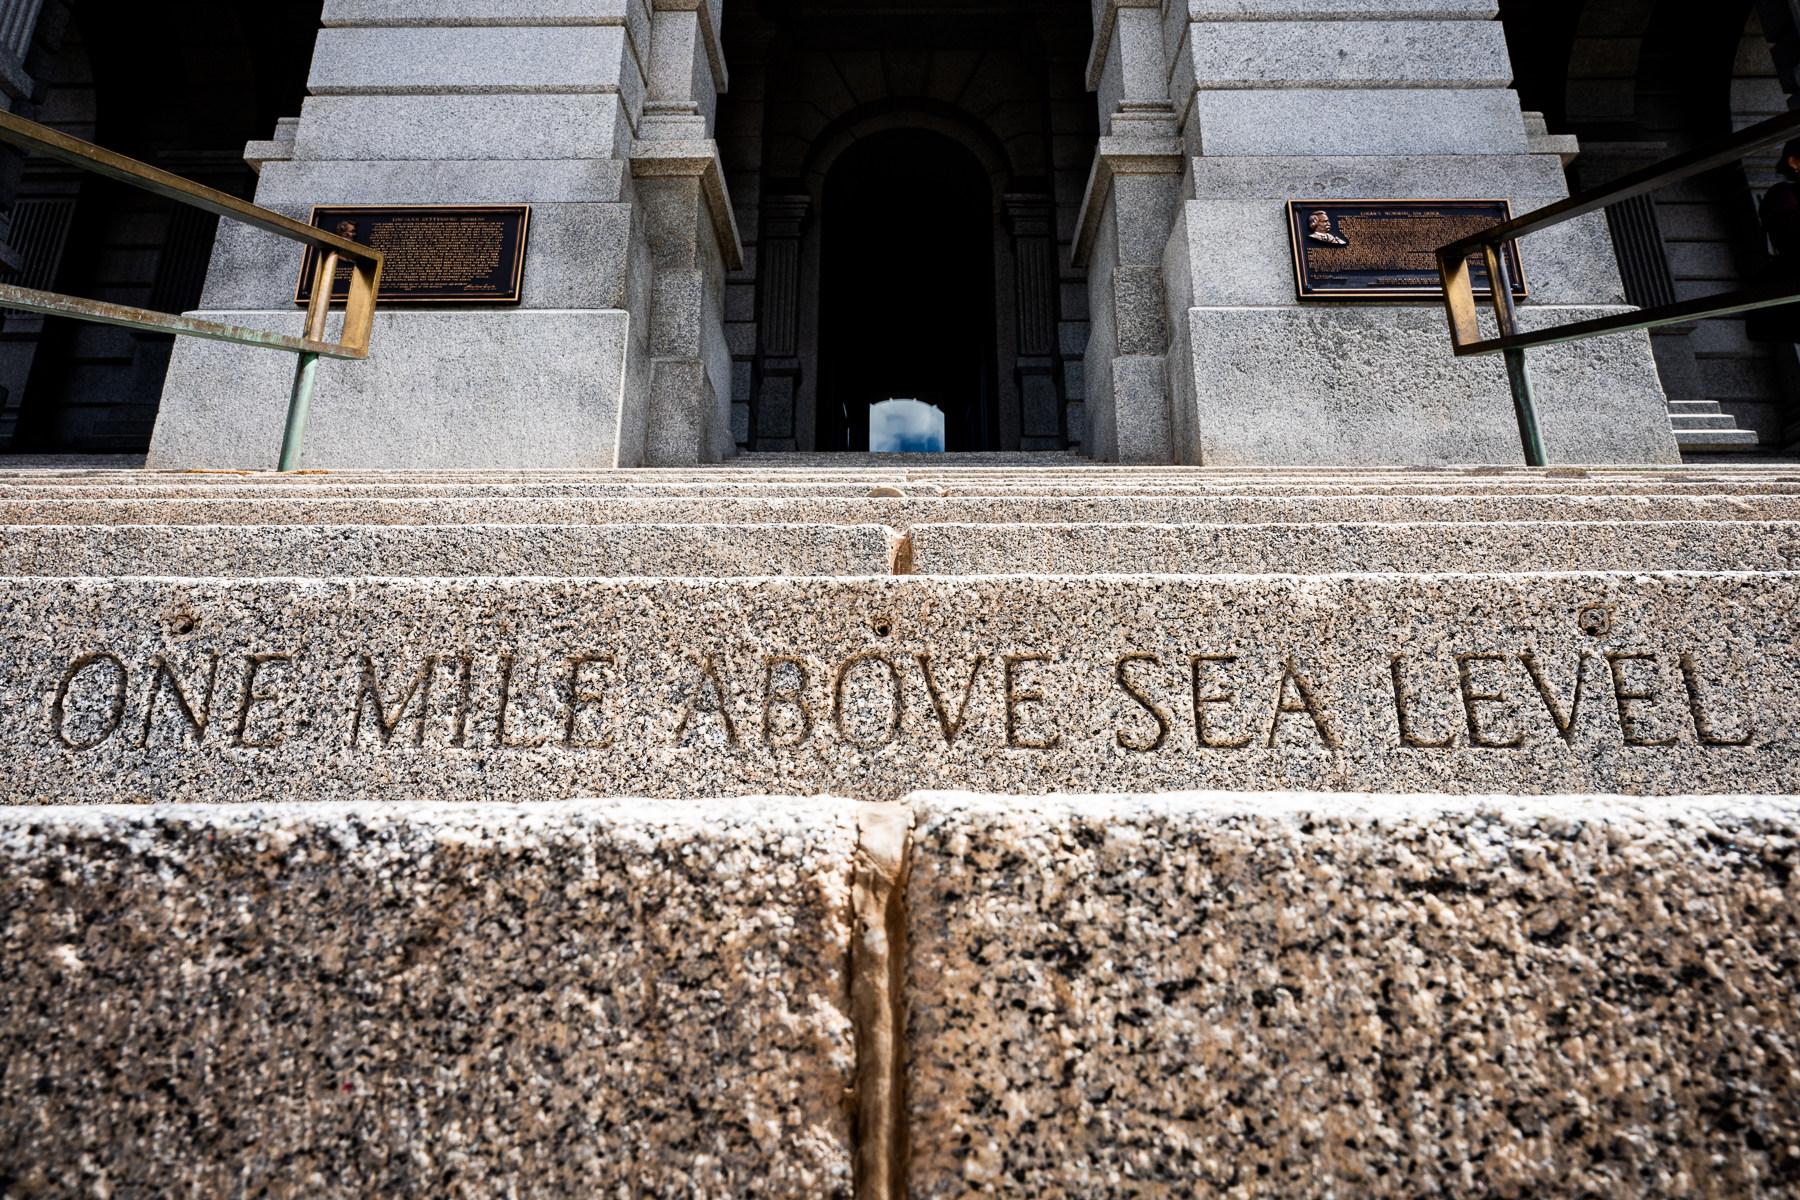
(1459, 284)
(312, 345)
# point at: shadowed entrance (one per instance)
(906, 305)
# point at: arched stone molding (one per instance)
(1025, 119)
(986, 146)
(934, 116)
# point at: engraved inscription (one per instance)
(1135, 703)
(432, 254)
(1387, 249)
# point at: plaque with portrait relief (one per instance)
(1387, 249)
(435, 254)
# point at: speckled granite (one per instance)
(1327, 997)
(302, 509)
(1324, 547)
(271, 690)
(587, 1000)
(613, 550)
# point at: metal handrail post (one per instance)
(306, 369)
(1518, 370)
(306, 377)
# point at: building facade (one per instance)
(1061, 223)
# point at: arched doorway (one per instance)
(906, 298)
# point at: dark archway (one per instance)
(906, 298)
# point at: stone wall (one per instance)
(462, 101)
(1368, 99)
(1110, 997)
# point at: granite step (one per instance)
(148, 689)
(1103, 997)
(925, 549)
(1784, 485)
(1694, 505)
(392, 551)
(1331, 547)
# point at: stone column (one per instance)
(778, 260)
(448, 102)
(693, 239)
(1124, 228)
(1032, 219)
(1347, 104)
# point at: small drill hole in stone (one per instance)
(1594, 621)
(882, 626)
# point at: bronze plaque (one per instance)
(1387, 249)
(435, 254)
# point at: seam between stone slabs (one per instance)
(877, 998)
(900, 551)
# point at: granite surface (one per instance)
(537, 689)
(609, 550)
(1093, 548)
(594, 484)
(321, 1001)
(1321, 996)
(339, 509)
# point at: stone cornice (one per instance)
(1121, 156)
(652, 159)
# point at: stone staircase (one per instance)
(1704, 427)
(966, 827)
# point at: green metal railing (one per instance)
(1459, 287)
(331, 250)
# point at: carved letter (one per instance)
(1304, 701)
(720, 703)
(1565, 723)
(581, 695)
(1203, 734)
(791, 696)
(1703, 726)
(369, 694)
(1161, 715)
(503, 737)
(1408, 738)
(465, 680)
(1015, 739)
(952, 727)
(196, 722)
(251, 697)
(59, 706)
(896, 704)
(1626, 696)
(1473, 700)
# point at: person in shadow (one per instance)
(1781, 222)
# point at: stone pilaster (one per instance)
(1124, 226)
(693, 239)
(448, 102)
(1356, 104)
